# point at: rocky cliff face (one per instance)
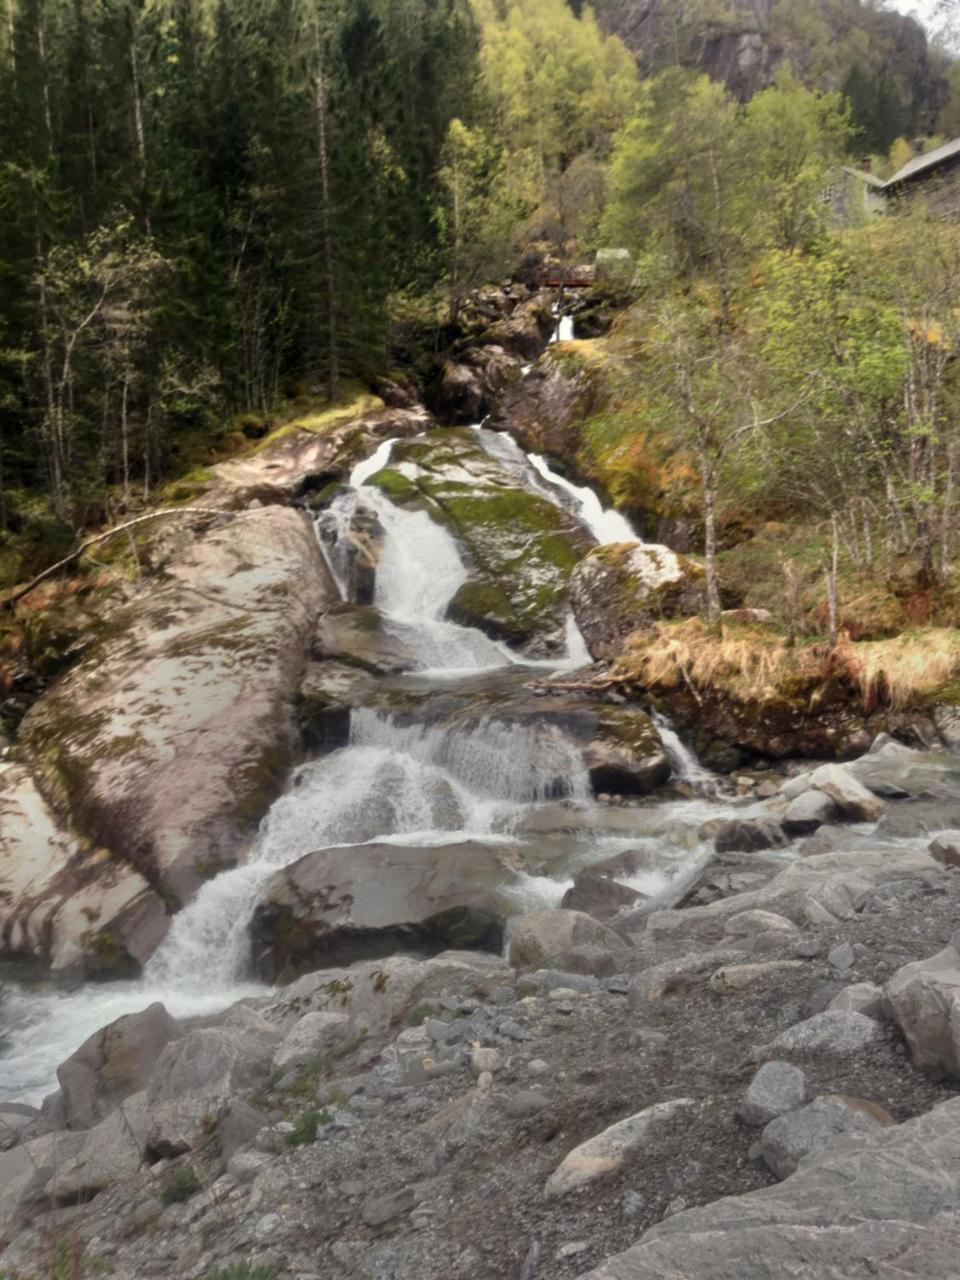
(744, 42)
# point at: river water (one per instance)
(411, 784)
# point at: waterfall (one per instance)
(605, 524)
(470, 778)
(686, 766)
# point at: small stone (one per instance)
(945, 848)
(245, 1165)
(777, 1088)
(267, 1225)
(572, 1250)
(485, 1081)
(563, 993)
(605, 1153)
(861, 997)
(741, 977)
(485, 1060)
(633, 1204)
(842, 957)
(537, 1067)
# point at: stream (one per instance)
(415, 784)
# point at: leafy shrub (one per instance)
(179, 1185)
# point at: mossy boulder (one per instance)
(519, 548)
(627, 586)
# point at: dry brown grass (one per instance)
(755, 663)
(902, 671)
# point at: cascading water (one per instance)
(476, 778)
(604, 523)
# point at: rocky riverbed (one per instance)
(367, 923)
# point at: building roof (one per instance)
(870, 179)
(930, 160)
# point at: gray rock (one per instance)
(808, 811)
(860, 997)
(791, 1138)
(547, 980)
(749, 836)
(750, 923)
(541, 937)
(834, 1032)
(113, 1149)
(14, 1118)
(778, 1087)
(112, 1064)
(842, 957)
(315, 1035)
(945, 848)
(855, 802)
(923, 998)
(380, 1209)
(889, 1206)
(599, 896)
(605, 1153)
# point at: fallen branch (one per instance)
(16, 596)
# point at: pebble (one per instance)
(485, 1081)
(572, 1250)
(267, 1225)
(563, 993)
(537, 1067)
(485, 1061)
(842, 957)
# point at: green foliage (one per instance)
(179, 1185)
(307, 1127)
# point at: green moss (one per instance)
(355, 401)
(398, 488)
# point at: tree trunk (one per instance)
(832, 570)
(710, 536)
(326, 236)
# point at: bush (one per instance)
(305, 1130)
(179, 1185)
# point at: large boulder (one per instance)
(85, 912)
(379, 995)
(115, 1148)
(360, 636)
(168, 742)
(305, 455)
(625, 586)
(112, 1064)
(851, 797)
(924, 998)
(198, 1077)
(791, 1138)
(519, 548)
(887, 1206)
(541, 940)
(599, 896)
(339, 905)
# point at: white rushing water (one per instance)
(394, 781)
(604, 523)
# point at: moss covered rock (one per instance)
(519, 548)
(626, 586)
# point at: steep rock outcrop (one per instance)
(168, 742)
(623, 587)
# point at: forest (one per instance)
(212, 207)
